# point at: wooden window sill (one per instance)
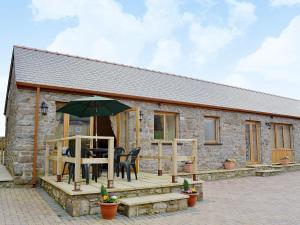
(213, 143)
(164, 142)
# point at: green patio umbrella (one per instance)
(93, 106)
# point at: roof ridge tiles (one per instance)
(150, 70)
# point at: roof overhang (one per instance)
(44, 87)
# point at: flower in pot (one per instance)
(108, 204)
(191, 192)
(285, 161)
(229, 164)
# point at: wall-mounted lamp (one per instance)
(141, 116)
(44, 108)
(269, 125)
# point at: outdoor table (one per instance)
(99, 153)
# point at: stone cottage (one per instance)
(228, 122)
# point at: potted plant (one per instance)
(229, 164)
(285, 161)
(191, 192)
(108, 204)
(188, 167)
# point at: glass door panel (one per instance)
(252, 142)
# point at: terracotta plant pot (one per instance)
(108, 210)
(284, 162)
(188, 167)
(192, 199)
(229, 165)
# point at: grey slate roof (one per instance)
(60, 70)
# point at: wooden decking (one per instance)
(145, 181)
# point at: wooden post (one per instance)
(59, 161)
(77, 161)
(66, 129)
(195, 159)
(126, 131)
(118, 121)
(110, 172)
(174, 160)
(35, 139)
(91, 131)
(137, 133)
(159, 161)
(47, 160)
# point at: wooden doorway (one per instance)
(253, 153)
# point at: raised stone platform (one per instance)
(250, 170)
(209, 175)
(84, 202)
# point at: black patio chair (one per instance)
(118, 152)
(85, 153)
(130, 161)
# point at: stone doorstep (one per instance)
(153, 204)
(268, 172)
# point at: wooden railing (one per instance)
(159, 157)
(175, 157)
(77, 160)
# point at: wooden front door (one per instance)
(253, 155)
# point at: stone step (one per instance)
(209, 175)
(266, 173)
(152, 204)
(6, 180)
(260, 166)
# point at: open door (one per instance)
(104, 128)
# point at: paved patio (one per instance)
(248, 201)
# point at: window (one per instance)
(69, 125)
(283, 136)
(211, 129)
(165, 126)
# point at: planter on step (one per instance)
(191, 192)
(108, 210)
(188, 167)
(108, 204)
(229, 164)
(285, 161)
(192, 200)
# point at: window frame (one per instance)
(164, 114)
(217, 130)
(66, 124)
(283, 125)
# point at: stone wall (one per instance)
(10, 126)
(20, 129)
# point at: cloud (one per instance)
(278, 58)
(273, 67)
(237, 80)
(105, 31)
(284, 2)
(209, 40)
(162, 56)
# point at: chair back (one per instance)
(85, 153)
(133, 154)
(118, 152)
